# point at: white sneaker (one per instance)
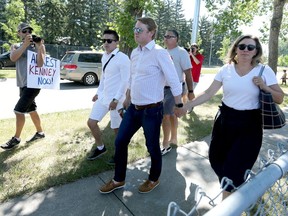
(165, 150)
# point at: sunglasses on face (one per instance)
(109, 41)
(169, 36)
(138, 30)
(24, 31)
(250, 47)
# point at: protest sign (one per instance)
(45, 77)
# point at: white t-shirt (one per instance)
(239, 92)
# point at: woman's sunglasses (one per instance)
(24, 31)
(109, 41)
(250, 47)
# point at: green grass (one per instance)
(61, 157)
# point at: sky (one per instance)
(188, 6)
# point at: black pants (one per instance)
(235, 144)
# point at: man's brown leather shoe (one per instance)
(148, 186)
(111, 186)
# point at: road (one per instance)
(71, 96)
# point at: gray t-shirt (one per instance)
(21, 66)
(181, 61)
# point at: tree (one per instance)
(169, 15)
(2, 20)
(278, 6)
(209, 42)
(230, 14)
(126, 17)
(283, 60)
(53, 23)
(13, 14)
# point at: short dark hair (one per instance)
(112, 32)
(176, 34)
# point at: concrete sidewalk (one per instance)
(184, 168)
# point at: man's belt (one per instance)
(142, 107)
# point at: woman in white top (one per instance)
(237, 131)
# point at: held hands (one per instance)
(179, 112)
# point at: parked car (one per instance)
(5, 60)
(81, 66)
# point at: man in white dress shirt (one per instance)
(111, 91)
(151, 67)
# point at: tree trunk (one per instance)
(278, 6)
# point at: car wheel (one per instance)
(1, 65)
(90, 79)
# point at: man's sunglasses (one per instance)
(24, 31)
(250, 47)
(109, 41)
(169, 36)
(138, 30)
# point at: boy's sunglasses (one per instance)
(250, 47)
(109, 41)
(24, 31)
(169, 36)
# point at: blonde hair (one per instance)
(232, 55)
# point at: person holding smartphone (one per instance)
(197, 60)
(26, 103)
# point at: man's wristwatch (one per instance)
(191, 91)
(115, 100)
(179, 105)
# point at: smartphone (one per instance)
(122, 112)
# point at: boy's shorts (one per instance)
(169, 101)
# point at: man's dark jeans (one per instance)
(150, 120)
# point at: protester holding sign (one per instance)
(26, 103)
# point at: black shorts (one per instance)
(26, 102)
